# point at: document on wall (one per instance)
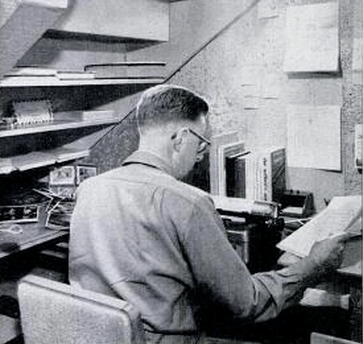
(357, 63)
(314, 137)
(358, 144)
(268, 9)
(344, 213)
(312, 38)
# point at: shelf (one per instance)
(56, 126)
(77, 149)
(53, 81)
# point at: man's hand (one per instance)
(328, 253)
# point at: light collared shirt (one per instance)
(139, 234)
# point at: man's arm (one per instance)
(221, 273)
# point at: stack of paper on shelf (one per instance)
(31, 71)
(343, 214)
(128, 70)
(74, 75)
(63, 154)
(6, 166)
(32, 160)
(46, 73)
(88, 115)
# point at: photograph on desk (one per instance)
(19, 213)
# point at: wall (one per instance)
(219, 70)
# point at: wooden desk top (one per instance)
(33, 234)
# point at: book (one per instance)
(30, 71)
(62, 154)
(272, 177)
(343, 214)
(231, 151)
(242, 206)
(6, 166)
(258, 176)
(32, 112)
(74, 75)
(132, 69)
(236, 175)
(218, 140)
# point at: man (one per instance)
(140, 234)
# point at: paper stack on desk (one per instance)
(343, 214)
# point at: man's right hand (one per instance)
(327, 254)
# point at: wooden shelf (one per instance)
(56, 126)
(77, 149)
(53, 81)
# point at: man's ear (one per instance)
(178, 138)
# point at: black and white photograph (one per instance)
(84, 172)
(194, 169)
(64, 175)
(19, 213)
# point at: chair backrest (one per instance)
(54, 312)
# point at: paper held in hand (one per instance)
(343, 214)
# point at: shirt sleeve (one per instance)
(221, 273)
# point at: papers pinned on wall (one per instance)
(312, 38)
(357, 63)
(314, 137)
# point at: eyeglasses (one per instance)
(204, 141)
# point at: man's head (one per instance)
(173, 122)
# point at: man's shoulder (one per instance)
(189, 193)
(101, 179)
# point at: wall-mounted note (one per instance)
(312, 38)
(357, 63)
(313, 137)
(358, 142)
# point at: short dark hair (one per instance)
(166, 103)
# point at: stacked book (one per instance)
(128, 70)
(41, 72)
(257, 176)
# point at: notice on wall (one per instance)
(312, 40)
(357, 63)
(358, 142)
(268, 9)
(314, 137)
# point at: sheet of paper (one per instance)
(313, 137)
(358, 144)
(341, 214)
(312, 38)
(268, 9)
(357, 64)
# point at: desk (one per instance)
(13, 249)
(33, 236)
(347, 280)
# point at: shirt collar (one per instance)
(148, 158)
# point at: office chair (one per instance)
(54, 312)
